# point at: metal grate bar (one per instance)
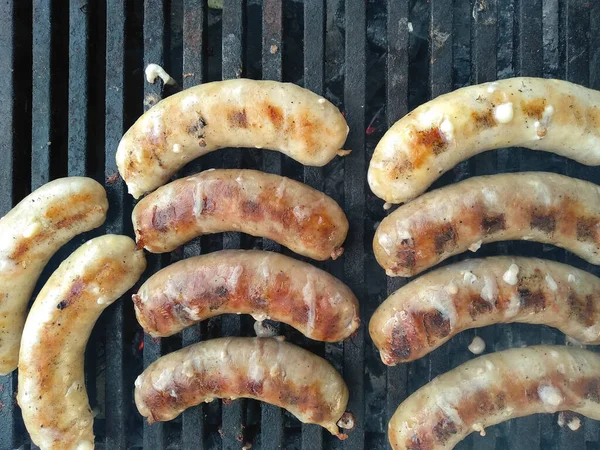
(78, 87)
(314, 48)
(577, 70)
(592, 428)
(41, 101)
(272, 51)
(194, 28)
(529, 43)
(117, 393)
(154, 27)
(233, 16)
(484, 42)
(354, 206)
(396, 107)
(78, 139)
(529, 62)
(440, 82)
(8, 383)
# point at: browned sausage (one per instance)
(291, 213)
(494, 388)
(538, 206)
(265, 369)
(421, 316)
(52, 393)
(264, 284)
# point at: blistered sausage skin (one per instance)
(291, 213)
(31, 233)
(264, 369)
(537, 206)
(494, 388)
(550, 115)
(266, 285)
(425, 313)
(232, 113)
(52, 393)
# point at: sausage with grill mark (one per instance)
(494, 388)
(550, 115)
(266, 285)
(537, 206)
(264, 369)
(427, 312)
(231, 113)
(31, 233)
(52, 393)
(261, 204)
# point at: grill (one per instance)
(72, 80)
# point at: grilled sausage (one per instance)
(52, 391)
(233, 113)
(264, 369)
(536, 206)
(31, 233)
(494, 388)
(535, 113)
(291, 213)
(425, 313)
(264, 284)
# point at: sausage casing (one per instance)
(31, 233)
(265, 369)
(232, 113)
(263, 284)
(550, 115)
(537, 206)
(291, 213)
(494, 388)
(52, 393)
(425, 313)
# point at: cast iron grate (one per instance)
(72, 82)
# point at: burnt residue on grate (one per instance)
(73, 83)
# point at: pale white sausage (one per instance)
(231, 113)
(550, 115)
(31, 233)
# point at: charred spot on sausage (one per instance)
(544, 222)
(444, 429)
(406, 258)
(532, 300)
(582, 309)
(74, 292)
(445, 237)
(436, 325)
(586, 229)
(592, 390)
(251, 208)
(479, 306)
(431, 139)
(196, 129)
(238, 119)
(400, 344)
(493, 223)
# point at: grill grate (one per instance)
(73, 83)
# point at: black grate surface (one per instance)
(72, 80)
